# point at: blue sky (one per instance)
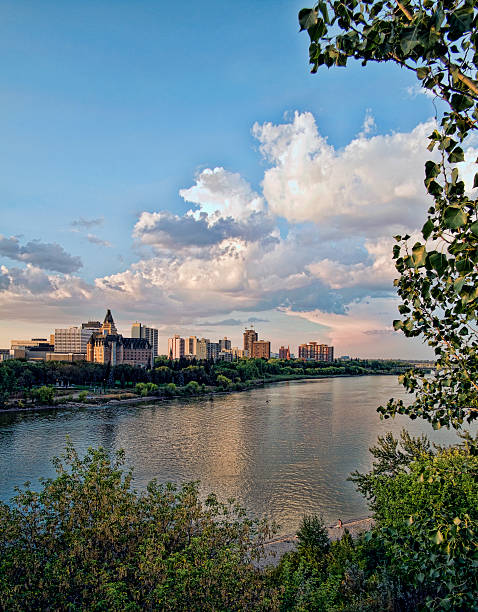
(109, 109)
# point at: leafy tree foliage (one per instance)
(88, 541)
(43, 395)
(425, 505)
(421, 553)
(438, 282)
(22, 377)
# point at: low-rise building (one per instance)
(69, 357)
(284, 353)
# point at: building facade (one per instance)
(313, 351)
(250, 336)
(284, 353)
(225, 344)
(138, 330)
(261, 349)
(73, 339)
(190, 347)
(107, 346)
(176, 347)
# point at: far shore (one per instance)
(108, 399)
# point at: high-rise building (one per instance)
(176, 347)
(213, 350)
(250, 336)
(261, 349)
(72, 339)
(190, 346)
(224, 344)
(313, 351)
(237, 352)
(284, 353)
(203, 348)
(138, 330)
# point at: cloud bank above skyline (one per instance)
(314, 242)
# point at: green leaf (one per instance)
(456, 155)
(419, 255)
(427, 229)
(307, 18)
(460, 102)
(458, 284)
(408, 40)
(474, 228)
(431, 169)
(455, 217)
(438, 261)
(422, 72)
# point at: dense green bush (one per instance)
(88, 541)
(43, 395)
(425, 505)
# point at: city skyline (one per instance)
(181, 198)
(78, 334)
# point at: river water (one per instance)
(281, 451)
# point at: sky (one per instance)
(180, 165)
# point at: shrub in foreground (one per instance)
(87, 540)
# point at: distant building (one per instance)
(138, 330)
(69, 357)
(108, 327)
(284, 353)
(5, 354)
(313, 351)
(92, 325)
(250, 336)
(190, 347)
(224, 344)
(176, 347)
(261, 349)
(34, 342)
(34, 349)
(205, 349)
(213, 350)
(107, 346)
(72, 339)
(237, 353)
(202, 347)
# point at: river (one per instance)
(281, 451)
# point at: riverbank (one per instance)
(277, 547)
(115, 398)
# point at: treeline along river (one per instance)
(282, 450)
